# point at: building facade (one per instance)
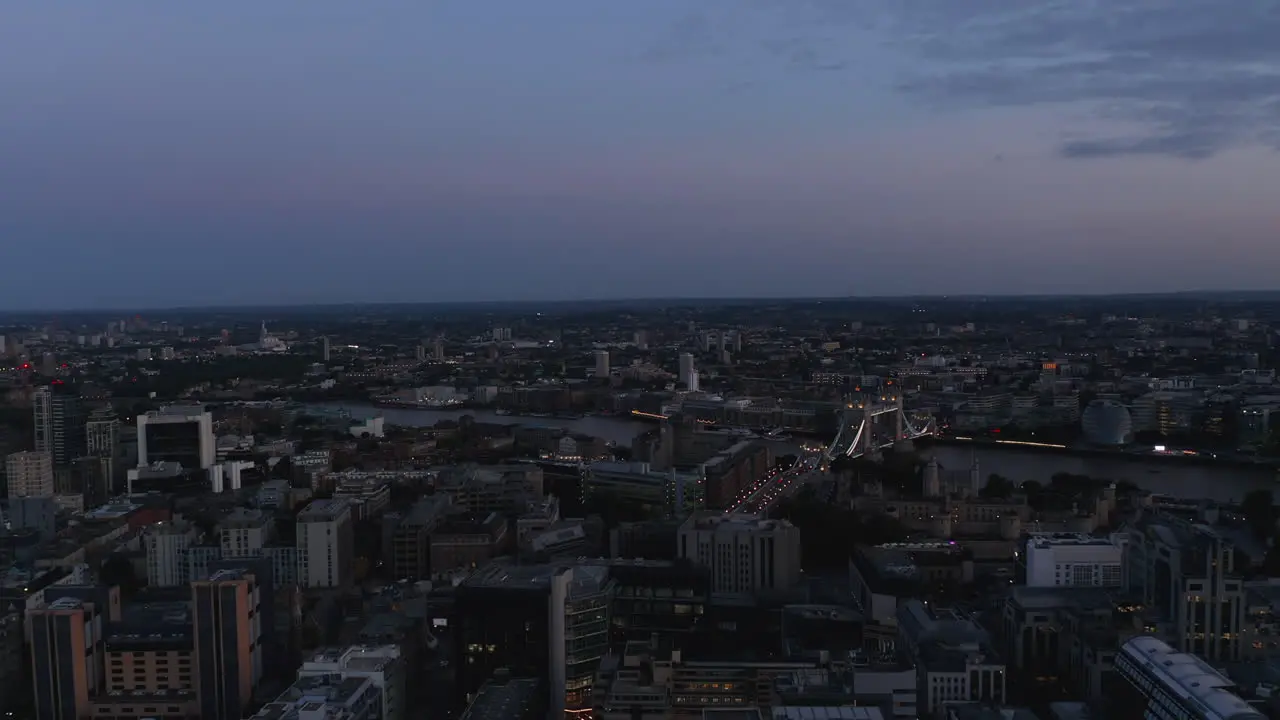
(325, 541)
(745, 553)
(30, 474)
(1073, 560)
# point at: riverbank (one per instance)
(1186, 457)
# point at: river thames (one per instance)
(1222, 483)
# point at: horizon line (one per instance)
(668, 300)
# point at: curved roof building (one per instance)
(1106, 422)
(1165, 683)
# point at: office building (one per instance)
(688, 376)
(733, 470)
(42, 410)
(1073, 560)
(673, 492)
(102, 435)
(652, 680)
(69, 422)
(549, 622)
(324, 348)
(245, 532)
(1185, 572)
(102, 440)
(150, 662)
(954, 658)
(411, 538)
(228, 647)
(166, 546)
(66, 657)
(29, 474)
(381, 665)
(177, 434)
(33, 513)
(325, 544)
(602, 363)
(60, 419)
(332, 696)
(86, 480)
(1160, 683)
(467, 540)
(745, 553)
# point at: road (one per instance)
(778, 484)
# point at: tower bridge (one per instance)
(874, 423)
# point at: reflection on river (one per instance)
(1223, 483)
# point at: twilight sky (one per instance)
(160, 153)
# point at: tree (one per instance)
(1035, 495)
(117, 570)
(1271, 565)
(998, 486)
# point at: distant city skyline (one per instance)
(189, 154)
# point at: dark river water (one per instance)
(1223, 483)
(619, 430)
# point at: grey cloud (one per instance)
(1199, 75)
(691, 36)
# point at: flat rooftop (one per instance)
(585, 579)
(805, 712)
(322, 510)
(732, 522)
(1047, 540)
(245, 518)
(505, 699)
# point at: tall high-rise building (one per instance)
(549, 622)
(602, 363)
(166, 546)
(1186, 572)
(88, 478)
(325, 538)
(102, 435)
(688, 372)
(228, 617)
(42, 409)
(177, 434)
(102, 441)
(745, 553)
(59, 424)
(437, 349)
(324, 348)
(65, 657)
(29, 474)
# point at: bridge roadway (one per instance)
(776, 485)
